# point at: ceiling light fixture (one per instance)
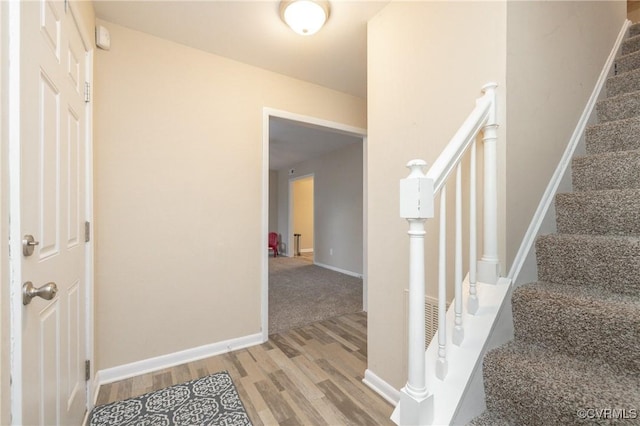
(305, 17)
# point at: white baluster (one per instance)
(488, 266)
(416, 205)
(458, 331)
(472, 302)
(441, 363)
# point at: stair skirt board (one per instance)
(577, 329)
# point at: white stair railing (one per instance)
(418, 194)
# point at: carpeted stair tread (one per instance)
(634, 29)
(583, 318)
(541, 387)
(609, 170)
(611, 262)
(619, 135)
(623, 83)
(619, 107)
(628, 62)
(631, 44)
(489, 418)
(607, 212)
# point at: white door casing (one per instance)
(48, 200)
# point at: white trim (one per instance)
(15, 270)
(342, 271)
(91, 386)
(266, 114)
(5, 300)
(365, 228)
(382, 388)
(547, 199)
(306, 250)
(137, 368)
(347, 129)
(264, 282)
(463, 359)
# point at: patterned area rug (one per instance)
(211, 400)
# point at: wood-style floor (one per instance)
(307, 376)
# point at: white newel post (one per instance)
(416, 205)
(489, 264)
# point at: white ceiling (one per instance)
(291, 142)
(252, 32)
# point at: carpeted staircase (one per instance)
(576, 350)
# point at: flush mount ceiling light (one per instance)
(305, 17)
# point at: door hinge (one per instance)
(87, 370)
(87, 231)
(87, 92)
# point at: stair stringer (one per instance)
(462, 359)
(524, 268)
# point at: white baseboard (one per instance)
(382, 388)
(137, 368)
(306, 250)
(549, 194)
(342, 271)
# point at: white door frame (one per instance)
(10, 202)
(5, 306)
(267, 113)
(290, 237)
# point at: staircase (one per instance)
(575, 358)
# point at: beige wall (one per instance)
(555, 53)
(633, 10)
(178, 181)
(427, 62)
(338, 206)
(302, 199)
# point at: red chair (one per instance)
(273, 243)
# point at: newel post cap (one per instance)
(416, 192)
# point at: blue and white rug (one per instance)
(211, 400)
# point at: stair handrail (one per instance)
(484, 112)
(418, 193)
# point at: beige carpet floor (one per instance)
(301, 293)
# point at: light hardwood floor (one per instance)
(307, 376)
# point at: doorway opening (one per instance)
(337, 238)
(301, 216)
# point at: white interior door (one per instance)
(53, 139)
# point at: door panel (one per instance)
(74, 179)
(49, 361)
(49, 160)
(74, 350)
(50, 13)
(52, 205)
